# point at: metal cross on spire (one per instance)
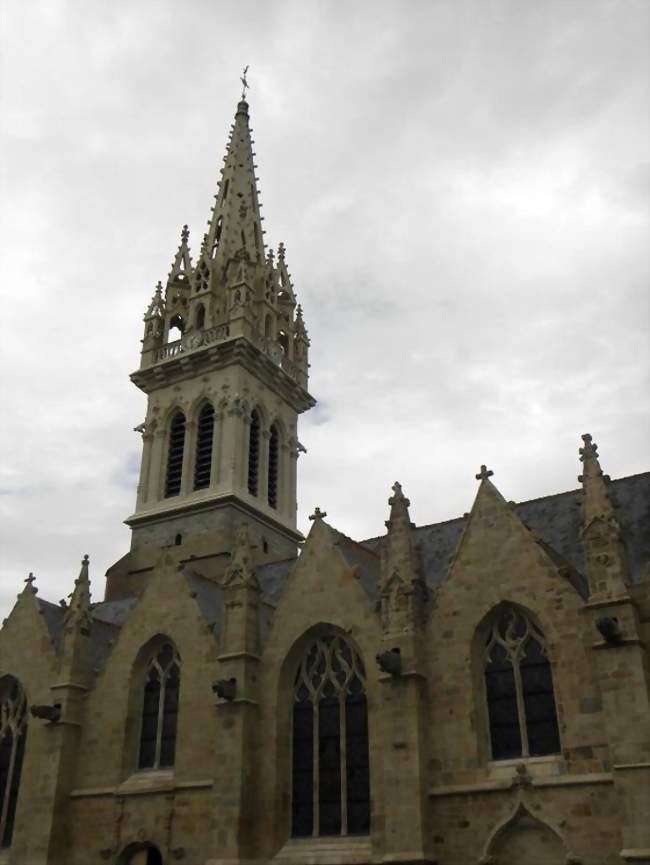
(244, 82)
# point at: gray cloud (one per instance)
(463, 190)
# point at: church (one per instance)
(471, 692)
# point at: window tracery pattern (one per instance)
(274, 459)
(519, 688)
(253, 452)
(330, 766)
(160, 710)
(13, 734)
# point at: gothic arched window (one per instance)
(204, 437)
(200, 317)
(175, 455)
(160, 709)
(13, 733)
(253, 452)
(274, 459)
(330, 768)
(519, 688)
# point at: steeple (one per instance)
(225, 366)
(601, 530)
(235, 225)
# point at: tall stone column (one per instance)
(237, 706)
(620, 657)
(403, 679)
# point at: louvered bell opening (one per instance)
(204, 437)
(274, 453)
(253, 453)
(175, 455)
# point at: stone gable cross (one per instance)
(484, 474)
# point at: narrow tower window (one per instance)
(160, 710)
(13, 733)
(200, 317)
(519, 688)
(253, 452)
(274, 457)
(175, 455)
(225, 190)
(330, 768)
(204, 437)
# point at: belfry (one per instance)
(471, 692)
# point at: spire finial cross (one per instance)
(318, 515)
(244, 82)
(30, 579)
(484, 474)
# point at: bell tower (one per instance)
(224, 366)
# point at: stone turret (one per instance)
(601, 531)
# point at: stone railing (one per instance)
(200, 339)
(192, 342)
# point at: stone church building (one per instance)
(472, 692)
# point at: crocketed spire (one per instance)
(236, 223)
(77, 614)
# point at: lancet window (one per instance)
(204, 437)
(274, 460)
(160, 709)
(175, 455)
(253, 453)
(13, 734)
(519, 688)
(330, 766)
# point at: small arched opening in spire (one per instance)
(217, 235)
(175, 452)
(200, 317)
(226, 186)
(274, 466)
(268, 326)
(297, 348)
(176, 328)
(204, 439)
(254, 452)
(283, 339)
(256, 236)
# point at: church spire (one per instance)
(235, 226)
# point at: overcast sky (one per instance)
(462, 188)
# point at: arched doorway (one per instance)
(141, 854)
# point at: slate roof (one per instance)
(557, 521)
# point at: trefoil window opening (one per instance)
(175, 455)
(204, 438)
(160, 710)
(519, 688)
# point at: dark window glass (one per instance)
(160, 710)
(519, 689)
(302, 821)
(13, 736)
(539, 702)
(204, 438)
(175, 455)
(329, 689)
(149, 729)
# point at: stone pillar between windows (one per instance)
(291, 471)
(406, 828)
(216, 468)
(158, 465)
(621, 669)
(145, 470)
